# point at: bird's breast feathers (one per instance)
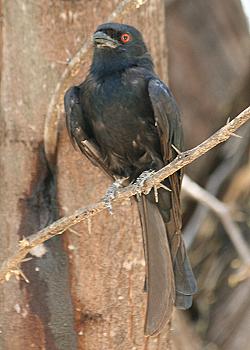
(121, 94)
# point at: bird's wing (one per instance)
(167, 119)
(168, 123)
(78, 128)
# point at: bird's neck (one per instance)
(105, 63)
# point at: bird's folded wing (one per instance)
(168, 123)
(78, 128)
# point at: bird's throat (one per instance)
(107, 61)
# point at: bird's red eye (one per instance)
(125, 38)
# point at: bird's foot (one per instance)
(111, 192)
(140, 181)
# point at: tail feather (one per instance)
(185, 282)
(169, 276)
(159, 275)
(183, 302)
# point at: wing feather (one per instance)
(79, 130)
(168, 122)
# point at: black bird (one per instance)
(126, 121)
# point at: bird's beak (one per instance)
(101, 40)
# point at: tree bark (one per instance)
(85, 291)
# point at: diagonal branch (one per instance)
(12, 264)
(232, 152)
(73, 67)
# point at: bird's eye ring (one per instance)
(125, 38)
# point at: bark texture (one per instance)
(85, 290)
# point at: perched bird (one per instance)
(126, 121)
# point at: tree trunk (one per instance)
(85, 288)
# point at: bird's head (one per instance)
(117, 47)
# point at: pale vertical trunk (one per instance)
(86, 292)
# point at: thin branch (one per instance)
(58, 227)
(189, 156)
(233, 152)
(72, 69)
(223, 212)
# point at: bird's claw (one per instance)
(110, 194)
(139, 182)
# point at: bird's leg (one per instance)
(139, 182)
(111, 192)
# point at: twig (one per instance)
(233, 152)
(223, 212)
(72, 69)
(59, 226)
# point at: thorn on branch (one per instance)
(139, 3)
(165, 187)
(176, 149)
(74, 232)
(236, 135)
(17, 273)
(156, 194)
(10, 265)
(24, 243)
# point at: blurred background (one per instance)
(86, 287)
(209, 71)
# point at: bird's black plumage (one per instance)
(125, 120)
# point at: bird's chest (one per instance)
(122, 123)
(118, 109)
